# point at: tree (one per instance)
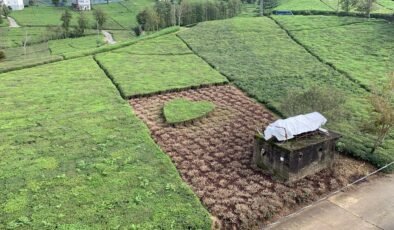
(5, 11)
(66, 18)
(261, 7)
(32, 2)
(100, 18)
(346, 5)
(55, 2)
(25, 41)
(382, 120)
(365, 6)
(327, 101)
(152, 20)
(82, 23)
(149, 19)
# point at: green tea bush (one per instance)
(328, 101)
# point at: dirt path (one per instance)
(108, 37)
(213, 155)
(12, 22)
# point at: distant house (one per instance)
(81, 4)
(13, 4)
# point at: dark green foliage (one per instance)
(347, 5)
(365, 6)
(55, 2)
(328, 101)
(66, 18)
(148, 19)
(83, 24)
(5, 11)
(186, 13)
(100, 18)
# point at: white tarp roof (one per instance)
(285, 129)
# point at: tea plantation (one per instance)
(265, 62)
(74, 156)
(75, 152)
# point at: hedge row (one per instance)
(388, 17)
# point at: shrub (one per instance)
(321, 99)
(2, 55)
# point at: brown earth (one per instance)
(213, 155)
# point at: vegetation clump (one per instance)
(165, 13)
(182, 110)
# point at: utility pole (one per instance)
(261, 7)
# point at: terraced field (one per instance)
(14, 37)
(368, 64)
(69, 45)
(121, 15)
(303, 5)
(17, 57)
(263, 61)
(322, 6)
(75, 157)
(155, 69)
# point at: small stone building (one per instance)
(296, 158)
(81, 5)
(295, 147)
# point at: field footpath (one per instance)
(12, 22)
(368, 206)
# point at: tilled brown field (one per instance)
(213, 155)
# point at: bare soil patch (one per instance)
(214, 156)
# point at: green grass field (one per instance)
(124, 13)
(4, 23)
(74, 156)
(302, 5)
(388, 4)
(262, 60)
(382, 6)
(122, 35)
(35, 54)
(121, 15)
(368, 64)
(150, 71)
(63, 46)
(146, 74)
(13, 37)
(181, 110)
(168, 44)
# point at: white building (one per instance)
(81, 4)
(14, 4)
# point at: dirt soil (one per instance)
(214, 156)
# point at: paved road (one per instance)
(12, 22)
(108, 37)
(369, 206)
